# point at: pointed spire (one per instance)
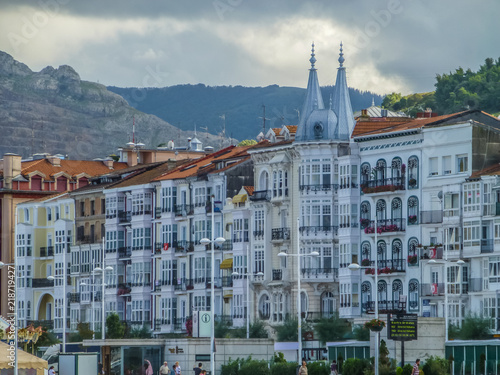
(312, 60)
(342, 102)
(313, 100)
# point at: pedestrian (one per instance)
(52, 371)
(174, 369)
(416, 370)
(177, 368)
(197, 370)
(333, 368)
(164, 370)
(148, 369)
(303, 368)
(100, 368)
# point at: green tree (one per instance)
(222, 330)
(474, 327)
(258, 330)
(84, 330)
(355, 366)
(114, 328)
(361, 333)
(332, 329)
(247, 142)
(140, 332)
(435, 366)
(289, 330)
(318, 368)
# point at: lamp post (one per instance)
(99, 269)
(248, 295)
(299, 317)
(355, 267)
(218, 241)
(2, 265)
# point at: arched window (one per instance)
(264, 307)
(397, 255)
(365, 214)
(366, 296)
(382, 254)
(382, 295)
(397, 290)
(264, 181)
(381, 211)
(365, 254)
(365, 173)
(412, 210)
(413, 172)
(381, 172)
(413, 252)
(327, 304)
(396, 210)
(396, 170)
(304, 304)
(413, 294)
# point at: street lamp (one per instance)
(65, 318)
(99, 269)
(218, 241)
(445, 262)
(16, 322)
(355, 267)
(299, 317)
(248, 295)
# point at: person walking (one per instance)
(197, 370)
(333, 368)
(148, 369)
(303, 368)
(52, 371)
(416, 370)
(164, 370)
(177, 368)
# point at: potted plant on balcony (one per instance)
(365, 262)
(412, 219)
(412, 182)
(375, 325)
(364, 223)
(412, 259)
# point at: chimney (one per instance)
(55, 161)
(364, 113)
(108, 163)
(11, 168)
(189, 143)
(383, 112)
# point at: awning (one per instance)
(226, 264)
(228, 296)
(240, 198)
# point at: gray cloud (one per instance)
(389, 45)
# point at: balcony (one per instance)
(431, 217)
(124, 216)
(226, 246)
(384, 307)
(280, 234)
(319, 229)
(42, 283)
(318, 188)
(486, 246)
(431, 252)
(180, 324)
(184, 209)
(277, 275)
(47, 251)
(217, 206)
(319, 273)
(435, 289)
(227, 281)
(383, 185)
(352, 185)
(261, 195)
(125, 252)
(183, 246)
(385, 266)
(476, 285)
(386, 226)
(217, 282)
(74, 297)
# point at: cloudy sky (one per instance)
(389, 45)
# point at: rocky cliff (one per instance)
(55, 111)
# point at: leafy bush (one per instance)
(355, 366)
(361, 333)
(114, 328)
(435, 366)
(284, 368)
(399, 371)
(247, 366)
(258, 330)
(279, 358)
(318, 368)
(332, 329)
(407, 369)
(287, 331)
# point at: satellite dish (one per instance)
(440, 195)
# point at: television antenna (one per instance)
(264, 118)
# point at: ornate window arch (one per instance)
(413, 172)
(366, 171)
(413, 296)
(382, 254)
(396, 169)
(366, 295)
(264, 181)
(382, 294)
(327, 304)
(397, 290)
(380, 168)
(264, 307)
(412, 246)
(365, 214)
(381, 210)
(413, 210)
(396, 209)
(397, 249)
(304, 303)
(366, 251)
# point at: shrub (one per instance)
(355, 366)
(284, 368)
(332, 329)
(254, 367)
(318, 368)
(399, 371)
(361, 333)
(407, 369)
(436, 366)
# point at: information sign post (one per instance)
(402, 327)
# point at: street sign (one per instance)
(402, 327)
(205, 323)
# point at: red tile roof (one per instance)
(249, 189)
(292, 128)
(492, 170)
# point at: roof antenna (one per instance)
(133, 129)
(264, 118)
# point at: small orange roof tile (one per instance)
(292, 128)
(249, 189)
(492, 170)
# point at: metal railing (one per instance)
(389, 265)
(280, 234)
(380, 185)
(277, 275)
(184, 209)
(124, 216)
(47, 251)
(384, 306)
(125, 252)
(260, 195)
(431, 217)
(387, 226)
(433, 289)
(319, 229)
(487, 246)
(318, 187)
(42, 283)
(319, 273)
